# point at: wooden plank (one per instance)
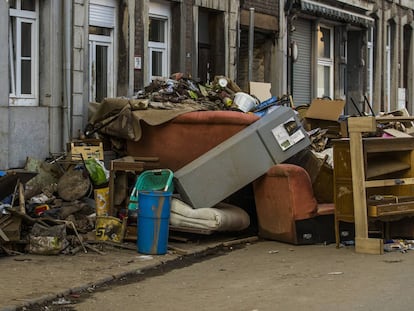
(369, 246)
(393, 119)
(358, 186)
(391, 209)
(379, 144)
(389, 182)
(396, 133)
(378, 167)
(4, 236)
(362, 124)
(22, 207)
(191, 230)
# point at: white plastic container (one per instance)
(244, 101)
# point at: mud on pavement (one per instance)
(68, 301)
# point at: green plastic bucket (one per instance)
(153, 222)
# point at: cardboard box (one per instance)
(325, 109)
(260, 90)
(325, 114)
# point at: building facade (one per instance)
(62, 55)
(359, 51)
(198, 38)
(205, 38)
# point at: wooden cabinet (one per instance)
(373, 180)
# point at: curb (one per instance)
(50, 297)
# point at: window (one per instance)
(101, 76)
(23, 52)
(158, 47)
(370, 63)
(325, 62)
(102, 49)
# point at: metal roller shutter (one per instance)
(302, 75)
(101, 15)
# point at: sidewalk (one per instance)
(29, 279)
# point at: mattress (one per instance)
(221, 217)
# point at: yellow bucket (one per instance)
(102, 201)
(110, 228)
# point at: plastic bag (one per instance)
(47, 240)
(97, 171)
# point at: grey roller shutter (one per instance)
(302, 76)
(101, 15)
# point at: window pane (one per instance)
(26, 40)
(28, 5)
(101, 72)
(323, 81)
(26, 80)
(157, 63)
(324, 42)
(157, 30)
(95, 30)
(12, 4)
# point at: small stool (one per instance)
(127, 164)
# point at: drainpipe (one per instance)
(67, 63)
(251, 42)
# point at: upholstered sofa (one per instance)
(188, 136)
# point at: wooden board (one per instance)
(396, 133)
(378, 167)
(391, 209)
(369, 246)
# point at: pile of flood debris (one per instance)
(165, 98)
(49, 207)
(54, 206)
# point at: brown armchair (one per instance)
(287, 209)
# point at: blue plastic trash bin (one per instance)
(153, 222)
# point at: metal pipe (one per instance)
(251, 43)
(67, 60)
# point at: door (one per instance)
(101, 69)
(102, 58)
(302, 76)
(211, 45)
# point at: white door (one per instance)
(101, 78)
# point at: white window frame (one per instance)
(18, 16)
(388, 47)
(370, 63)
(325, 62)
(107, 11)
(107, 41)
(164, 61)
(161, 12)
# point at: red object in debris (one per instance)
(39, 210)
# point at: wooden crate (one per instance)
(87, 148)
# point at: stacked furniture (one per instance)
(374, 180)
